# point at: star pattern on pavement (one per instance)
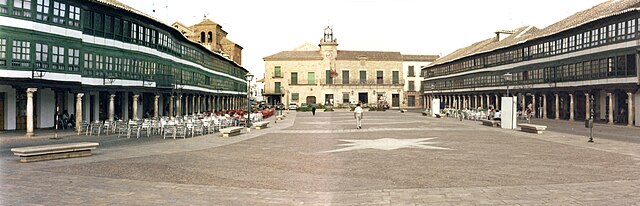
(387, 144)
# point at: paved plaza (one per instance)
(395, 159)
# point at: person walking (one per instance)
(313, 109)
(357, 114)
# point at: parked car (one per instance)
(293, 106)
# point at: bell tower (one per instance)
(329, 51)
(328, 44)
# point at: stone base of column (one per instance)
(29, 134)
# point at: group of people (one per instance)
(66, 121)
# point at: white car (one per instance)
(293, 106)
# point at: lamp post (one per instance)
(507, 78)
(248, 77)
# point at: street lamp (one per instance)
(248, 77)
(507, 78)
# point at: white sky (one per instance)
(266, 27)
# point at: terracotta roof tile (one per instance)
(294, 55)
(369, 55)
(419, 58)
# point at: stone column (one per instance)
(497, 102)
(610, 95)
(186, 104)
(544, 106)
(112, 107)
(482, 101)
(199, 104)
(557, 108)
(30, 92)
(171, 104)
(630, 111)
(193, 105)
(79, 111)
(135, 106)
(179, 106)
(571, 107)
(155, 106)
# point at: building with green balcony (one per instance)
(587, 61)
(101, 59)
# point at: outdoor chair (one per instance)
(95, 128)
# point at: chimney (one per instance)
(502, 34)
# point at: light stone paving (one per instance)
(250, 165)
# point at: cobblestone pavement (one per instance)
(395, 159)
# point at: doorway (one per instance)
(363, 97)
(395, 100)
(328, 98)
(311, 99)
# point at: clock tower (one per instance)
(329, 51)
(328, 45)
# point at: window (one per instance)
(363, 77)
(294, 78)
(622, 29)
(345, 97)
(88, 61)
(311, 78)
(59, 12)
(57, 57)
(108, 26)
(295, 96)
(345, 77)
(328, 79)
(412, 86)
(20, 53)
(411, 72)
(277, 72)
(3, 6)
(631, 29)
(3, 48)
(395, 75)
(74, 16)
(134, 32)
(380, 77)
(42, 56)
(276, 87)
(22, 8)
(42, 10)
(74, 60)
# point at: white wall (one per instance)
(46, 108)
(9, 107)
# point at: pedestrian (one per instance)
(357, 114)
(313, 109)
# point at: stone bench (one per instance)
(54, 151)
(493, 123)
(261, 125)
(230, 131)
(532, 128)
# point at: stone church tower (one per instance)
(211, 35)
